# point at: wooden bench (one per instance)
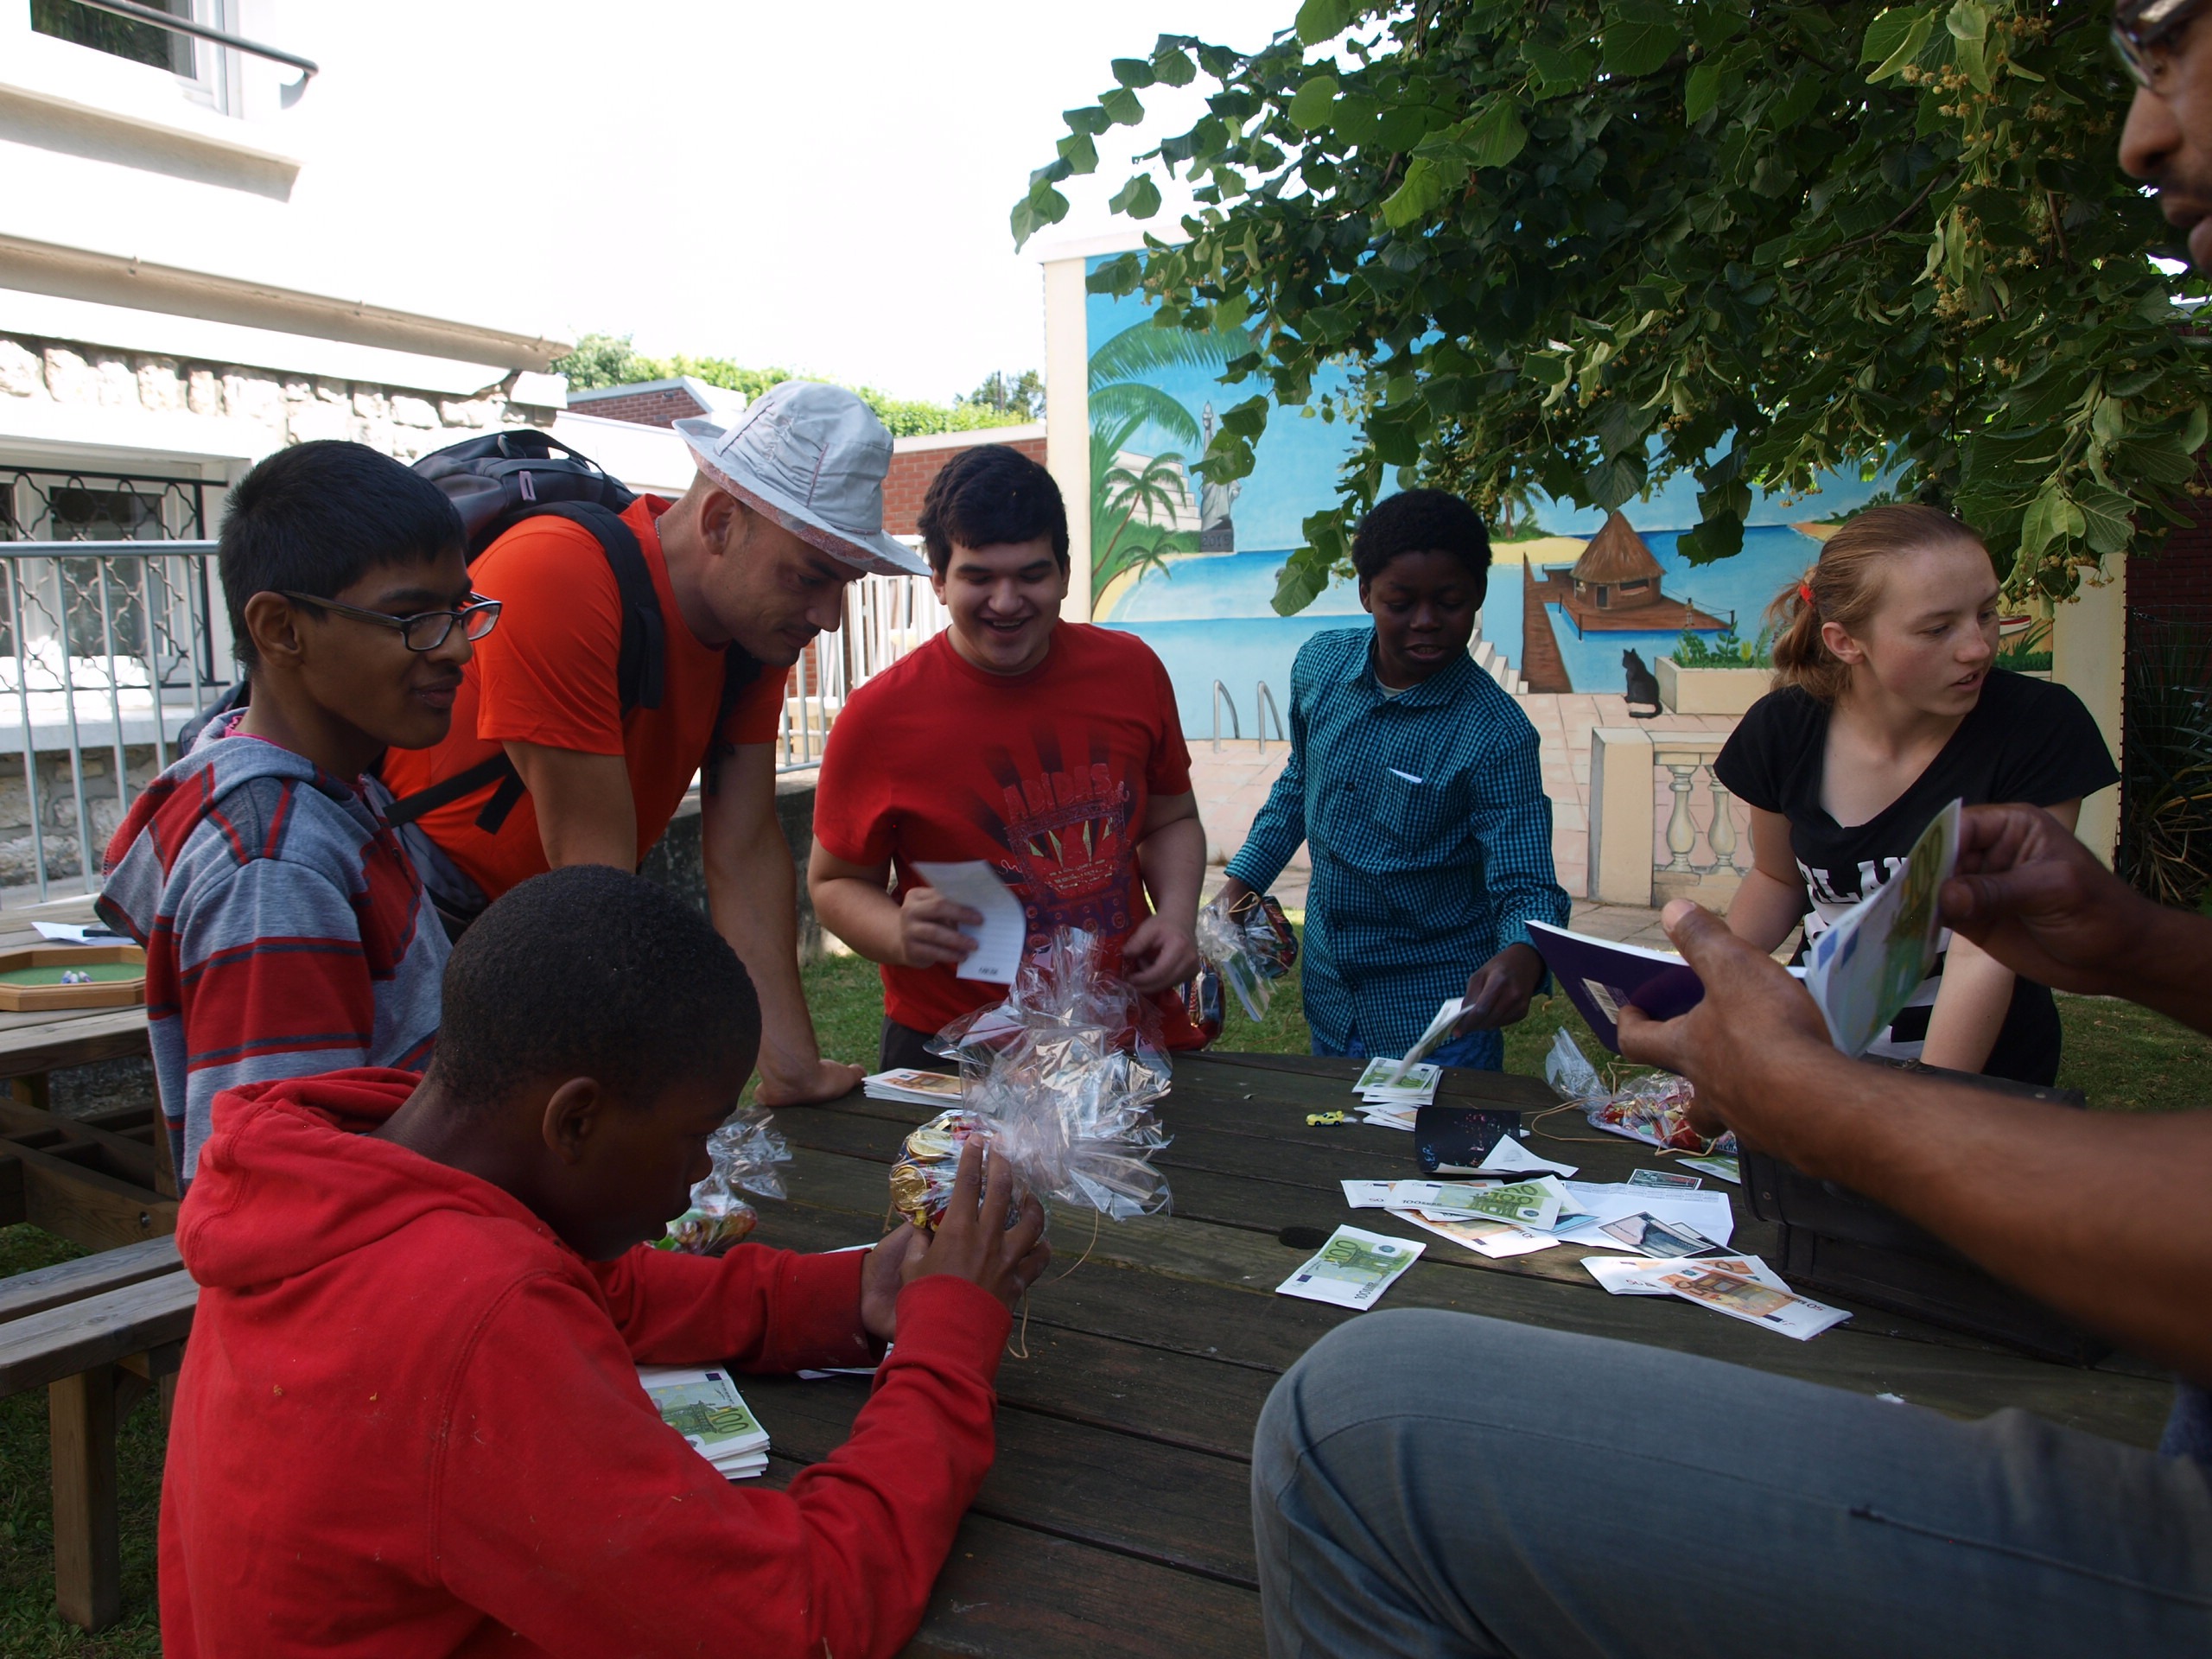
(98, 1334)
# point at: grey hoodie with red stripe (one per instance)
(286, 932)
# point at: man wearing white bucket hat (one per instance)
(746, 568)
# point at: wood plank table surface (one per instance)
(1117, 1519)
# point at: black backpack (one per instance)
(495, 482)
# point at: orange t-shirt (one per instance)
(546, 674)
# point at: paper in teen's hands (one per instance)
(1866, 967)
(1439, 1028)
(1003, 932)
(1353, 1269)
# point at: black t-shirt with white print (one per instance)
(2026, 739)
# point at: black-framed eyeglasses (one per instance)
(424, 630)
(2147, 35)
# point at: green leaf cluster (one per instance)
(600, 360)
(1581, 246)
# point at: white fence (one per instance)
(1661, 825)
(885, 617)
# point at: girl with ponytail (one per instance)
(1887, 706)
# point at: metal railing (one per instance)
(1264, 704)
(885, 617)
(154, 17)
(1235, 731)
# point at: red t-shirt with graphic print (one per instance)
(1045, 775)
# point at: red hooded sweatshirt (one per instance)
(410, 1420)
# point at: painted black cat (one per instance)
(1643, 687)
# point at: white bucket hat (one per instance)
(813, 458)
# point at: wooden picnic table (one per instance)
(1117, 1519)
(102, 1180)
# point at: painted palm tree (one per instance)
(1125, 407)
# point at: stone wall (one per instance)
(677, 864)
(275, 407)
(57, 802)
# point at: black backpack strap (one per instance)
(741, 668)
(641, 670)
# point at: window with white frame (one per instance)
(202, 65)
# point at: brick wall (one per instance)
(912, 469)
(663, 408)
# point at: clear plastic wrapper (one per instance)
(1060, 1080)
(747, 1154)
(1653, 1107)
(1250, 945)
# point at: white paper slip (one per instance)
(1666, 1180)
(1495, 1239)
(1743, 1297)
(1368, 1195)
(1000, 939)
(1636, 1275)
(1388, 1117)
(1727, 1169)
(1510, 1156)
(704, 1407)
(1446, 1017)
(80, 933)
(1353, 1269)
(1865, 967)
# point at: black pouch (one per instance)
(1453, 1139)
(1835, 1240)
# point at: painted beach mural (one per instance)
(1190, 567)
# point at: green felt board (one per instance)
(103, 972)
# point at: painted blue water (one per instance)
(1210, 618)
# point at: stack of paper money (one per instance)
(919, 1087)
(1742, 1287)
(704, 1407)
(1392, 1105)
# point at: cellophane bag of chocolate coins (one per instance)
(1059, 1081)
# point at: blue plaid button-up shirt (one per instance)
(1431, 839)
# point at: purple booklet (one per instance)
(1601, 977)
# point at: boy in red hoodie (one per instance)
(410, 1421)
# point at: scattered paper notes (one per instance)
(1353, 1269)
(920, 1088)
(1663, 1178)
(1746, 1299)
(1479, 1233)
(1510, 1154)
(1417, 1086)
(1535, 1203)
(1000, 938)
(1646, 1232)
(1631, 1275)
(704, 1407)
(1439, 1028)
(1368, 1195)
(1722, 1168)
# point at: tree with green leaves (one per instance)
(1578, 246)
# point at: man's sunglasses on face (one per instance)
(2147, 34)
(424, 630)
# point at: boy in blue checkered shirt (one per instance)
(1413, 779)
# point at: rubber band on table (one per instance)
(1097, 1217)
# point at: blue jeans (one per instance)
(1433, 1484)
(1478, 1050)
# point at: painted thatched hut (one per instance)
(1618, 571)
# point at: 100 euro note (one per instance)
(1353, 1269)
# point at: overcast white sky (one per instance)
(820, 185)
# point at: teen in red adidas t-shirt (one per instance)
(1051, 750)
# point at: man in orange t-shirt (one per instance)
(786, 508)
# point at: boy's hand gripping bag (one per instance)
(1059, 1080)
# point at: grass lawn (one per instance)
(2125, 1059)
